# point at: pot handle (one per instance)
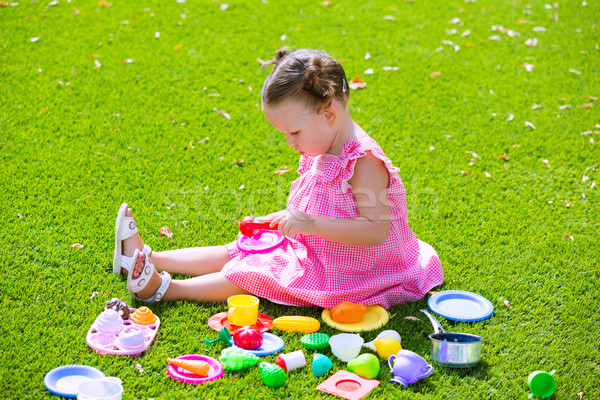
(436, 325)
(392, 358)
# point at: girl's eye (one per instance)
(295, 133)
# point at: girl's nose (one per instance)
(289, 141)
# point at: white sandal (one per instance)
(138, 284)
(125, 228)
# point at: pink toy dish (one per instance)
(219, 320)
(105, 336)
(264, 242)
(215, 372)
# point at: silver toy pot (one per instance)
(456, 350)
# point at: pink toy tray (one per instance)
(106, 343)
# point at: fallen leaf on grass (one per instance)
(412, 318)
(567, 236)
(465, 173)
(356, 83)
(389, 18)
(192, 145)
(20, 215)
(128, 61)
(104, 3)
(139, 368)
(166, 231)
(586, 105)
(178, 47)
(580, 394)
(282, 170)
(503, 157)
(223, 113)
(547, 162)
(574, 71)
(487, 175)
(507, 303)
(35, 39)
(529, 67)
(76, 246)
(94, 295)
(510, 117)
(529, 124)
(435, 74)
(592, 98)
(206, 139)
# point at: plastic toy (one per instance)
(197, 367)
(408, 367)
(541, 384)
(272, 375)
(271, 344)
(387, 346)
(103, 338)
(315, 340)
(366, 365)
(346, 346)
(375, 317)
(108, 388)
(218, 321)
(143, 316)
(384, 334)
(242, 309)
(297, 324)
(215, 370)
(120, 306)
(291, 361)
(234, 358)
(224, 336)
(248, 338)
(249, 227)
(65, 380)
(348, 312)
(348, 385)
(264, 242)
(321, 364)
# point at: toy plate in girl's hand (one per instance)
(215, 372)
(265, 242)
(460, 305)
(64, 381)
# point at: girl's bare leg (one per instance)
(194, 261)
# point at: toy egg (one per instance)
(366, 365)
(386, 347)
(272, 375)
(234, 358)
(143, 316)
(291, 361)
(109, 322)
(132, 339)
(248, 338)
(120, 306)
(321, 364)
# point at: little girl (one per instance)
(346, 220)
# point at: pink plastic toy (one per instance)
(215, 371)
(107, 337)
(248, 226)
(248, 338)
(348, 385)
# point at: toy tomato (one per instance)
(248, 338)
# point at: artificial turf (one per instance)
(497, 142)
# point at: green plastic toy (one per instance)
(315, 341)
(272, 375)
(224, 336)
(235, 358)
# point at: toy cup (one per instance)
(408, 367)
(541, 384)
(346, 346)
(101, 389)
(243, 310)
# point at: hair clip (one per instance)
(344, 85)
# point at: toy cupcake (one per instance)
(143, 316)
(120, 306)
(109, 322)
(132, 339)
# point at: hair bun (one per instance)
(279, 55)
(315, 79)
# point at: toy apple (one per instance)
(248, 338)
(366, 365)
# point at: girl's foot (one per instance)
(127, 241)
(144, 282)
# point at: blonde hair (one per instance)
(312, 77)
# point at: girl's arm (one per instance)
(372, 227)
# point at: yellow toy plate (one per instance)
(375, 317)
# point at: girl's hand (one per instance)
(292, 222)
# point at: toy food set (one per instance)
(291, 361)
(297, 324)
(195, 369)
(234, 358)
(111, 334)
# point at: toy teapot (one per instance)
(408, 367)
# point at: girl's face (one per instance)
(310, 133)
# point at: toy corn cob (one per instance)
(297, 324)
(198, 367)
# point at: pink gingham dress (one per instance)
(309, 270)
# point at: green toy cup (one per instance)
(541, 384)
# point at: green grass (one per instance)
(122, 132)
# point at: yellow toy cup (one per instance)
(243, 310)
